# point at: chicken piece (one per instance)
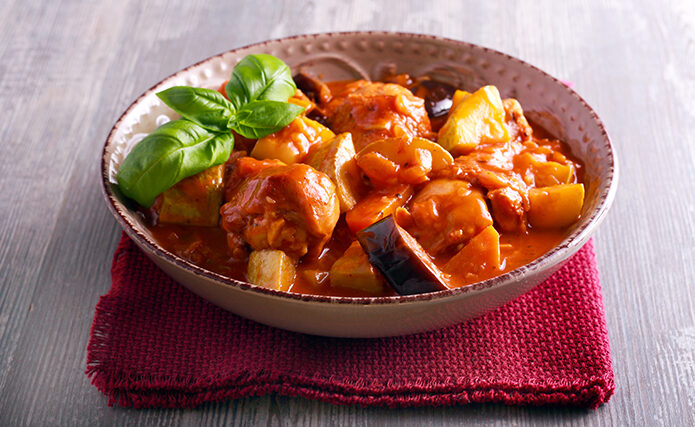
(374, 111)
(446, 213)
(293, 208)
(516, 121)
(508, 209)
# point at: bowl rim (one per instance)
(554, 256)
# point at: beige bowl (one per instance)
(337, 56)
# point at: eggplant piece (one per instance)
(400, 259)
(438, 96)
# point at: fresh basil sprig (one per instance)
(260, 77)
(260, 118)
(174, 151)
(206, 107)
(258, 89)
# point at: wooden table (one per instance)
(69, 68)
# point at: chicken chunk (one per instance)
(447, 213)
(508, 209)
(375, 111)
(293, 208)
(516, 121)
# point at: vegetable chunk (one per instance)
(481, 253)
(336, 159)
(400, 258)
(353, 271)
(479, 118)
(271, 269)
(402, 160)
(556, 206)
(376, 206)
(195, 200)
(292, 143)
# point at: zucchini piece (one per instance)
(271, 269)
(353, 271)
(400, 259)
(337, 160)
(195, 200)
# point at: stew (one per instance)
(401, 186)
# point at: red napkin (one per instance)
(154, 343)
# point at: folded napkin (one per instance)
(156, 344)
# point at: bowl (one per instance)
(339, 56)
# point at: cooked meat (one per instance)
(289, 207)
(372, 111)
(508, 209)
(446, 213)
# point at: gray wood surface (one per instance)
(69, 68)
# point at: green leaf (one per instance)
(206, 107)
(258, 77)
(174, 151)
(260, 118)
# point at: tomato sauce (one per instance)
(208, 247)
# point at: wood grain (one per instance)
(69, 68)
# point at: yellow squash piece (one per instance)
(271, 269)
(292, 143)
(353, 271)
(545, 173)
(195, 200)
(482, 252)
(458, 97)
(478, 118)
(336, 159)
(555, 207)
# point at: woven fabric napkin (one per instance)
(156, 344)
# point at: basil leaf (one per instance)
(260, 118)
(174, 151)
(260, 77)
(206, 107)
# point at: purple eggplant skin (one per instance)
(400, 259)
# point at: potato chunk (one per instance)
(195, 200)
(353, 271)
(402, 160)
(292, 143)
(479, 118)
(481, 253)
(336, 159)
(557, 206)
(271, 269)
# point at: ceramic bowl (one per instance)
(338, 56)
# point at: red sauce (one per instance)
(208, 246)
